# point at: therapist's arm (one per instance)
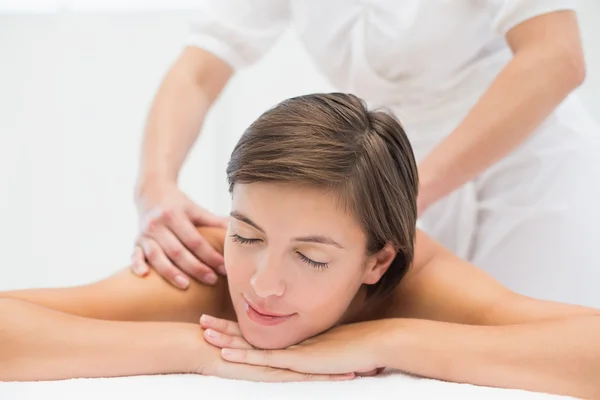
(548, 64)
(184, 97)
(167, 216)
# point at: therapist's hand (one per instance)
(168, 238)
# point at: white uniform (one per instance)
(531, 220)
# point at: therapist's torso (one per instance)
(428, 60)
(404, 53)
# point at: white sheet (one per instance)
(388, 385)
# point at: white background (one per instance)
(75, 87)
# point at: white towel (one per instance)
(388, 385)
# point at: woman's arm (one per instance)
(460, 325)
(37, 343)
(548, 64)
(553, 356)
(79, 331)
(449, 320)
(442, 287)
(127, 297)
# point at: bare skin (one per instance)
(441, 297)
(429, 291)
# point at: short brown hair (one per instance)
(333, 141)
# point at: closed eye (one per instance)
(312, 263)
(237, 238)
(249, 241)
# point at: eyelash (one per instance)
(237, 238)
(313, 264)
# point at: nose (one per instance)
(268, 280)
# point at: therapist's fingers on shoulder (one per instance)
(158, 260)
(203, 217)
(200, 246)
(184, 228)
(179, 256)
(138, 262)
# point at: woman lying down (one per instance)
(328, 278)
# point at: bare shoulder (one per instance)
(125, 296)
(442, 287)
(408, 294)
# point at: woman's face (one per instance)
(295, 261)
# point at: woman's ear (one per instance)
(378, 263)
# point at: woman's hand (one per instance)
(223, 332)
(225, 369)
(348, 349)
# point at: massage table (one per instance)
(388, 385)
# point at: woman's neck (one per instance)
(362, 308)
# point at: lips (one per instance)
(264, 312)
(263, 317)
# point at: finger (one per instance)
(138, 262)
(220, 325)
(201, 217)
(269, 358)
(183, 228)
(179, 255)
(222, 340)
(266, 374)
(292, 376)
(368, 373)
(161, 263)
(329, 377)
(373, 372)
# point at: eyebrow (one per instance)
(321, 239)
(241, 217)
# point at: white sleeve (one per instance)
(239, 31)
(510, 13)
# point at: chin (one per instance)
(268, 338)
